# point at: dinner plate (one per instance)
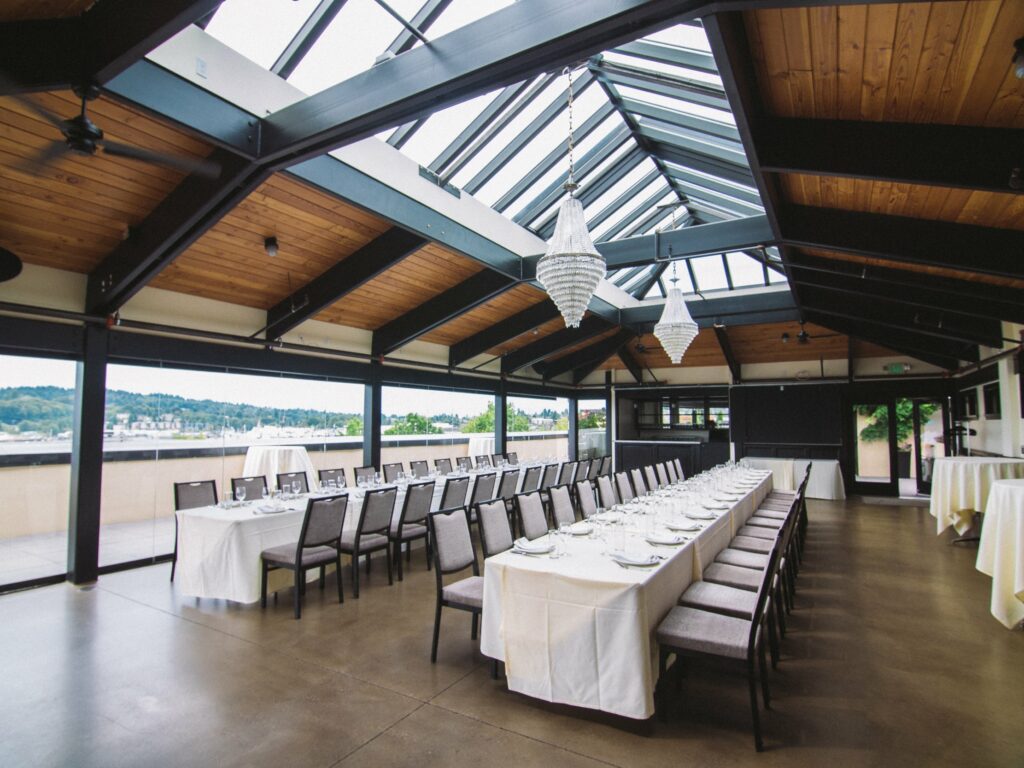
(715, 505)
(669, 539)
(636, 560)
(581, 529)
(262, 510)
(683, 526)
(527, 547)
(699, 515)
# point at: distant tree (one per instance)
(592, 420)
(878, 427)
(354, 427)
(515, 421)
(413, 424)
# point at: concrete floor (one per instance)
(892, 660)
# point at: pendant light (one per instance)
(676, 329)
(571, 268)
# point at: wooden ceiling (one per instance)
(18, 10)
(497, 309)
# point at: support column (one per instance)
(371, 418)
(574, 428)
(87, 458)
(609, 417)
(500, 418)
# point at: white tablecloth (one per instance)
(272, 460)
(1001, 551)
(960, 487)
(826, 481)
(580, 630)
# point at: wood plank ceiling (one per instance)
(19, 10)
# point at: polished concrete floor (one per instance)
(892, 660)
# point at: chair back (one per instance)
(444, 466)
(391, 471)
(465, 463)
(324, 521)
(679, 468)
(595, 469)
(336, 475)
(651, 477)
(663, 478)
(254, 486)
(366, 474)
(496, 459)
(762, 597)
(561, 505)
(378, 509)
(550, 476)
(483, 489)
(606, 491)
(623, 486)
(531, 479)
(287, 480)
(452, 544)
(513, 457)
(532, 521)
(606, 465)
(495, 532)
(483, 461)
(507, 485)
(202, 493)
(583, 469)
(637, 476)
(566, 476)
(671, 468)
(419, 468)
(455, 491)
(416, 507)
(585, 498)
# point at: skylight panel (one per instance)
(710, 273)
(628, 180)
(645, 194)
(462, 12)
(680, 104)
(259, 29)
(745, 270)
(441, 128)
(662, 67)
(683, 36)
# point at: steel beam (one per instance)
(625, 353)
(667, 116)
(428, 13)
(741, 309)
(314, 26)
(516, 325)
(553, 344)
(595, 353)
(687, 58)
(693, 91)
(730, 357)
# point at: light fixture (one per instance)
(676, 329)
(571, 268)
(1018, 58)
(270, 246)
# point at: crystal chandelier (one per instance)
(676, 329)
(571, 268)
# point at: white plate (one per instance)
(682, 526)
(715, 505)
(581, 529)
(666, 539)
(699, 515)
(627, 558)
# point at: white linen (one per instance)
(825, 482)
(960, 487)
(580, 629)
(272, 460)
(1001, 551)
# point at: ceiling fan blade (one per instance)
(10, 88)
(32, 165)
(198, 166)
(10, 265)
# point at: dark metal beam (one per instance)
(553, 344)
(424, 18)
(625, 353)
(635, 212)
(447, 305)
(687, 177)
(500, 332)
(694, 91)
(671, 153)
(375, 257)
(688, 58)
(643, 286)
(971, 157)
(314, 26)
(965, 247)
(616, 205)
(730, 357)
(372, 406)
(595, 353)
(744, 309)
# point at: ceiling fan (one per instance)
(803, 337)
(10, 265)
(84, 137)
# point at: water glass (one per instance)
(296, 487)
(240, 493)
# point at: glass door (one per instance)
(929, 422)
(874, 449)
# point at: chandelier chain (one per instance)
(571, 183)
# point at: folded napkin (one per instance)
(699, 515)
(682, 526)
(631, 558)
(532, 547)
(266, 509)
(666, 538)
(580, 529)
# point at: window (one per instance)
(538, 428)
(990, 396)
(424, 425)
(592, 423)
(969, 404)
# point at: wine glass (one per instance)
(240, 493)
(266, 493)
(296, 487)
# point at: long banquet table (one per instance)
(960, 487)
(1001, 550)
(825, 482)
(580, 629)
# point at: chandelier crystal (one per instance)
(676, 329)
(571, 268)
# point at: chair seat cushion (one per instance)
(720, 599)
(468, 592)
(765, 522)
(368, 542)
(775, 506)
(285, 555)
(777, 494)
(409, 531)
(734, 576)
(772, 513)
(742, 559)
(750, 544)
(757, 532)
(690, 629)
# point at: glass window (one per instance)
(592, 424)
(259, 29)
(538, 428)
(36, 422)
(990, 396)
(710, 273)
(745, 270)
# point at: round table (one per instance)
(960, 487)
(1001, 551)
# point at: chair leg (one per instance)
(473, 626)
(430, 550)
(263, 583)
(398, 560)
(337, 570)
(781, 614)
(368, 563)
(408, 554)
(355, 574)
(763, 667)
(773, 642)
(174, 562)
(299, 580)
(437, 632)
(323, 577)
(758, 744)
(387, 556)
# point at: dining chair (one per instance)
(566, 475)
(651, 477)
(419, 468)
(533, 522)
(606, 491)
(507, 486)
(531, 479)
(495, 531)
(595, 469)
(454, 552)
(693, 633)
(456, 489)
(671, 469)
(636, 475)
(662, 470)
(550, 476)
(335, 475)
(412, 523)
(585, 498)
(606, 465)
(679, 468)
(464, 462)
(287, 480)
(513, 457)
(497, 459)
(370, 533)
(366, 474)
(560, 503)
(443, 466)
(483, 461)
(391, 471)
(318, 546)
(254, 487)
(483, 488)
(624, 488)
(202, 493)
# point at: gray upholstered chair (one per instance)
(464, 463)
(456, 490)
(391, 471)
(560, 503)
(202, 493)
(483, 488)
(636, 475)
(651, 478)
(582, 470)
(533, 522)
(496, 459)
(412, 522)
(550, 477)
(513, 457)
(606, 465)
(337, 476)
(370, 533)
(679, 468)
(419, 468)
(663, 478)
(691, 632)
(366, 474)
(287, 480)
(623, 487)
(317, 547)
(495, 531)
(531, 479)
(585, 498)
(443, 466)
(606, 491)
(595, 469)
(483, 461)
(671, 468)
(507, 487)
(254, 487)
(454, 552)
(567, 473)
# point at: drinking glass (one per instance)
(296, 487)
(266, 493)
(566, 533)
(240, 493)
